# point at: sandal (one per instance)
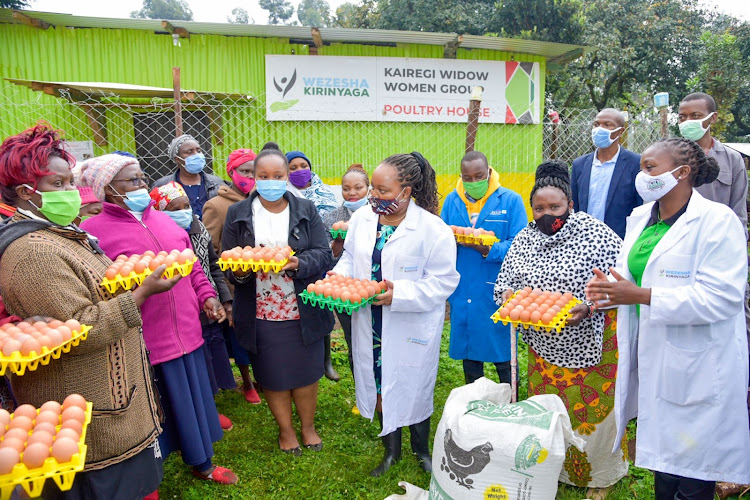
(297, 452)
(220, 475)
(314, 447)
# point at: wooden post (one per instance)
(177, 102)
(555, 118)
(664, 122)
(473, 122)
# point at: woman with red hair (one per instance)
(52, 268)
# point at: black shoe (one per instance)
(330, 372)
(420, 438)
(297, 452)
(392, 445)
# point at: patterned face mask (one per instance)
(382, 206)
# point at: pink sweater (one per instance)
(171, 320)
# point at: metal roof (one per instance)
(553, 52)
(741, 147)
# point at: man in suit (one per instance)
(603, 182)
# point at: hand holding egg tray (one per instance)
(544, 310)
(25, 346)
(267, 259)
(339, 229)
(54, 445)
(128, 272)
(474, 236)
(342, 294)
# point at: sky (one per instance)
(218, 10)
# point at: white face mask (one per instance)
(654, 187)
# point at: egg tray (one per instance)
(268, 266)
(134, 279)
(19, 364)
(338, 305)
(32, 480)
(338, 233)
(484, 239)
(558, 321)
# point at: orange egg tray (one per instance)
(135, 279)
(19, 364)
(558, 321)
(32, 480)
(268, 266)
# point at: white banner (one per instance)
(312, 88)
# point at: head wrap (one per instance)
(98, 172)
(87, 196)
(291, 155)
(163, 195)
(174, 146)
(238, 157)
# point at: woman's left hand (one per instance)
(577, 314)
(292, 265)
(385, 298)
(605, 293)
(214, 310)
(483, 249)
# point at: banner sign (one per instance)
(398, 89)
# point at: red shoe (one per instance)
(251, 396)
(220, 475)
(152, 496)
(226, 424)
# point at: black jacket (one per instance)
(307, 237)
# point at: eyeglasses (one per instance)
(135, 181)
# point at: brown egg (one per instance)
(68, 433)
(25, 410)
(43, 437)
(40, 324)
(45, 341)
(46, 427)
(72, 424)
(73, 412)
(35, 454)
(21, 422)
(31, 345)
(74, 400)
(66, 333)
(49, 416)
(64, 449)
(13, 443)
(17, 433)
(4, 417)
(73, 325)
(10, 346)
(9, 457)
(55, 337)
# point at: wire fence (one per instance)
(96, 123)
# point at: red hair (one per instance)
(24, 158)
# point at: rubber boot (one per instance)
(420, 438)
(392, 445)
(330, 373)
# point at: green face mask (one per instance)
(59, 207)
(478, 189)
(693, 129)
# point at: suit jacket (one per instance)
(622, 197)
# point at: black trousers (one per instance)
(671, 487)
(475, 369)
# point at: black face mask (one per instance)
(550, 224)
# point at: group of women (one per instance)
(663, 308)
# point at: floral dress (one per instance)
(384, 233)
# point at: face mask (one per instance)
(183, 218)
(244, 184)
(137, 200)
(601, 136)
(478, 189)
(550, 224)
(195, 163)
(654, 187)
(59, 207)
(300, 178)
(693, 129)
(382, 206)
(354, 205)
(271, 190)
(84, 217)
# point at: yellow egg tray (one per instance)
(557, 323)
(19, 364)
(134, 279)
(32, 480)
(484, 239)
(268, 266)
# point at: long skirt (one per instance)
(217, 358)
(191, 422)
(589, 396)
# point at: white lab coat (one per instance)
(420, 260)
(683, 365)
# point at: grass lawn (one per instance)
(351, 449)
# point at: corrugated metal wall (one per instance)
(236, 64)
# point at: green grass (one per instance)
(351, 448)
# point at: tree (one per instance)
(14, 4)
(279, 11)
(560, 21)
(239, 16)
(164, 9)
(467, 17)
(351, 15)
(314, 13)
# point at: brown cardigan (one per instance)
(49, 273)
(215, 213)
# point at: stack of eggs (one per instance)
(471, 231)
(28, 338)
(534, 306)
(351, 290)
(343, 226)
(257, 254)
(32, 436)
(124, 266)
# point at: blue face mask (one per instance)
(195, 163)
(601, 136)
(137, 200)
(270, 190)
(354, 205)
(183, 218)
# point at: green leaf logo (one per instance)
(283, 105)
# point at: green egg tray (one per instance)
(332, 304)
(338, 233)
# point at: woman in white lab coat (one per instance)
(681, 331)
(397, 341)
